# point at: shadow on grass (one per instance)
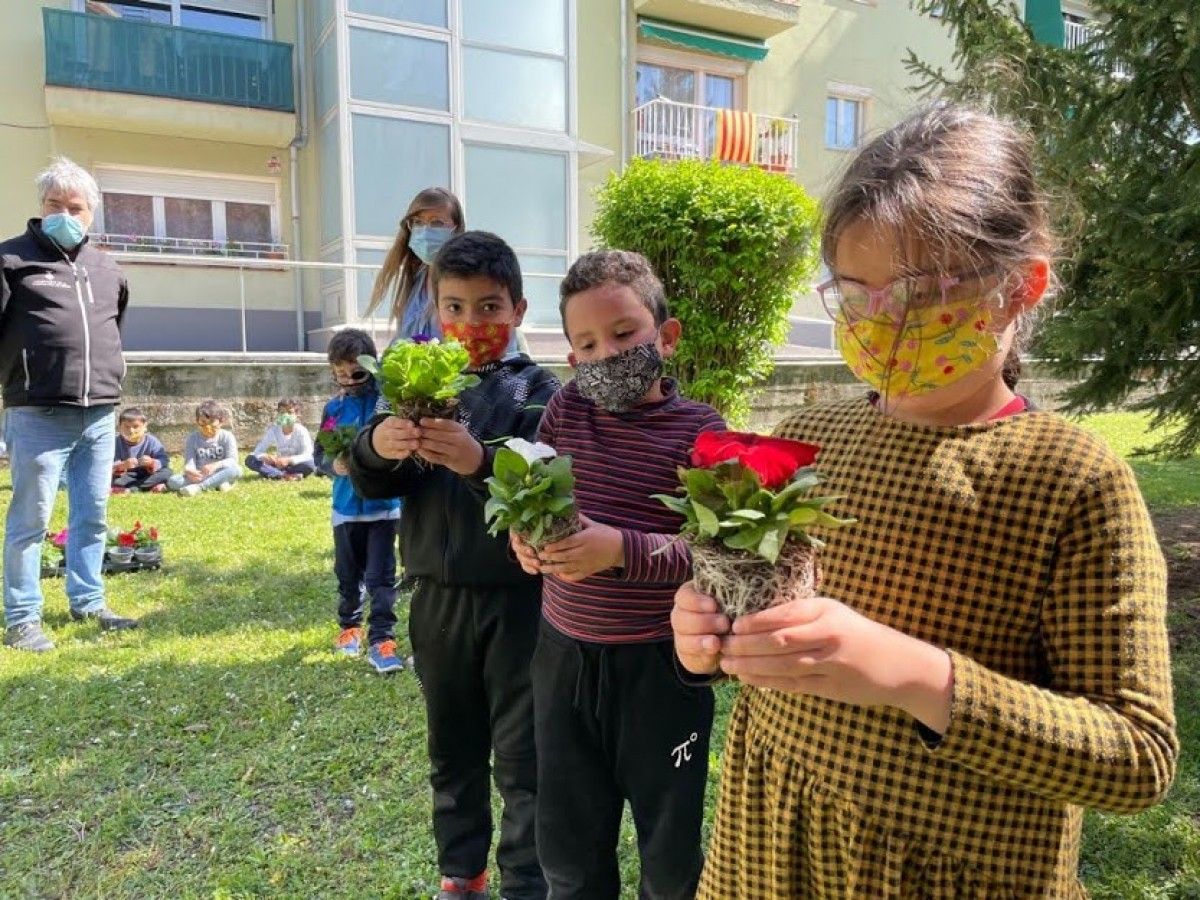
(252, 779)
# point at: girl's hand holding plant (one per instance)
(448, 443)
(396, 438)
(823, 647)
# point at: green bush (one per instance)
(732, 246)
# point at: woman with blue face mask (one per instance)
(433, 217)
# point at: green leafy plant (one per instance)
(733, 247)
(750, 493)
(421, 377)
(532, 492)
(335, 439)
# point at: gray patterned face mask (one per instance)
(619, 383)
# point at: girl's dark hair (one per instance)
(475, 253)
(291, 404)
(958, 188)
(619, 267)
(347, 345)
(400, 266)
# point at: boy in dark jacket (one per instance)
(474, 616)
(364, 531)
(140, 461)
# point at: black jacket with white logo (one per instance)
(60, 319)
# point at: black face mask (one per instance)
(356, 385)
(619, 383)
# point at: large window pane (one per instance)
(396, 68)
(135, 10)
(331, 183)
(718, 91)
(324, 13)
(541, 276)
(529, 25)
(515, 90)
(654, 81)
(366, 282)
(128, 214)
(223, 22)
(188, 218)
(248, 222)
(326, 75)
(422, 12)
(519, 194)
(831, 111)
(393, 159)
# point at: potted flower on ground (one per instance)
(146, 548)
(54, 554)
(119, 550)
(532, 493)
(746, 505)
(422, 378)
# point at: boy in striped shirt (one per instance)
(613, 721)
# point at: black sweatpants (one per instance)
(615, 723)
(140, 479)
(471, 648)
(364, 556)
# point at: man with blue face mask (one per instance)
(61, 365)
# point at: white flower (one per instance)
(530, 452)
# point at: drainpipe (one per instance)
(300, 73)
(624, 85)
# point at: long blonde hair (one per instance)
(400, 266)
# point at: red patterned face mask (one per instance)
(484, 342)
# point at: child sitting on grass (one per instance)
(285, 451)
(209, 454)
(140, 461)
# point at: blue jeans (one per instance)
(211, 483)
(45, 441)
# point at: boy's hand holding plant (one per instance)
(533, 496)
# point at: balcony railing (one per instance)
(1078, 35)
(140, 243)
(112, 54)
(674, 131)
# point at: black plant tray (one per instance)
(109, 567)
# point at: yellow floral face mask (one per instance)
(930, 349)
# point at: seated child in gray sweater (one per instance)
(210, 454)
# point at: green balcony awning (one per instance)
(705, 41)
(1045, 20)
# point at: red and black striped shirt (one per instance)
(619, 461)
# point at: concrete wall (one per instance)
(168, 390)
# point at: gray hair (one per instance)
(64, 175)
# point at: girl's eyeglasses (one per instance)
(413, 221)
(357, 377)
(856, 301)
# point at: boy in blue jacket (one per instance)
(140, 461)
(364, 531)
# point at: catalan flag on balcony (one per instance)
(735, 136)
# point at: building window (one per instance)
(192, 214)
(243, 18)
(844, 122)
(689, 78)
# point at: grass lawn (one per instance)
(222, 750)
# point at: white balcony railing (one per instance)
(673, 131)
(140, 243)
(1077, 35)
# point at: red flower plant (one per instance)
(773, 460)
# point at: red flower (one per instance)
(126, 539)
(154, 534)
(946, 319)
(773, 460)
(949, 370)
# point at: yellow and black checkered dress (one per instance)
(1023, 547)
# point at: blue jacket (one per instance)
(358, 411)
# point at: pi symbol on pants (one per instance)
(683, 752)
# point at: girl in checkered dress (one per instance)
(990, 656)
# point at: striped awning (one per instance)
(713, 42)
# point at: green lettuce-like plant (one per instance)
(423, 377)
(532, 493)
